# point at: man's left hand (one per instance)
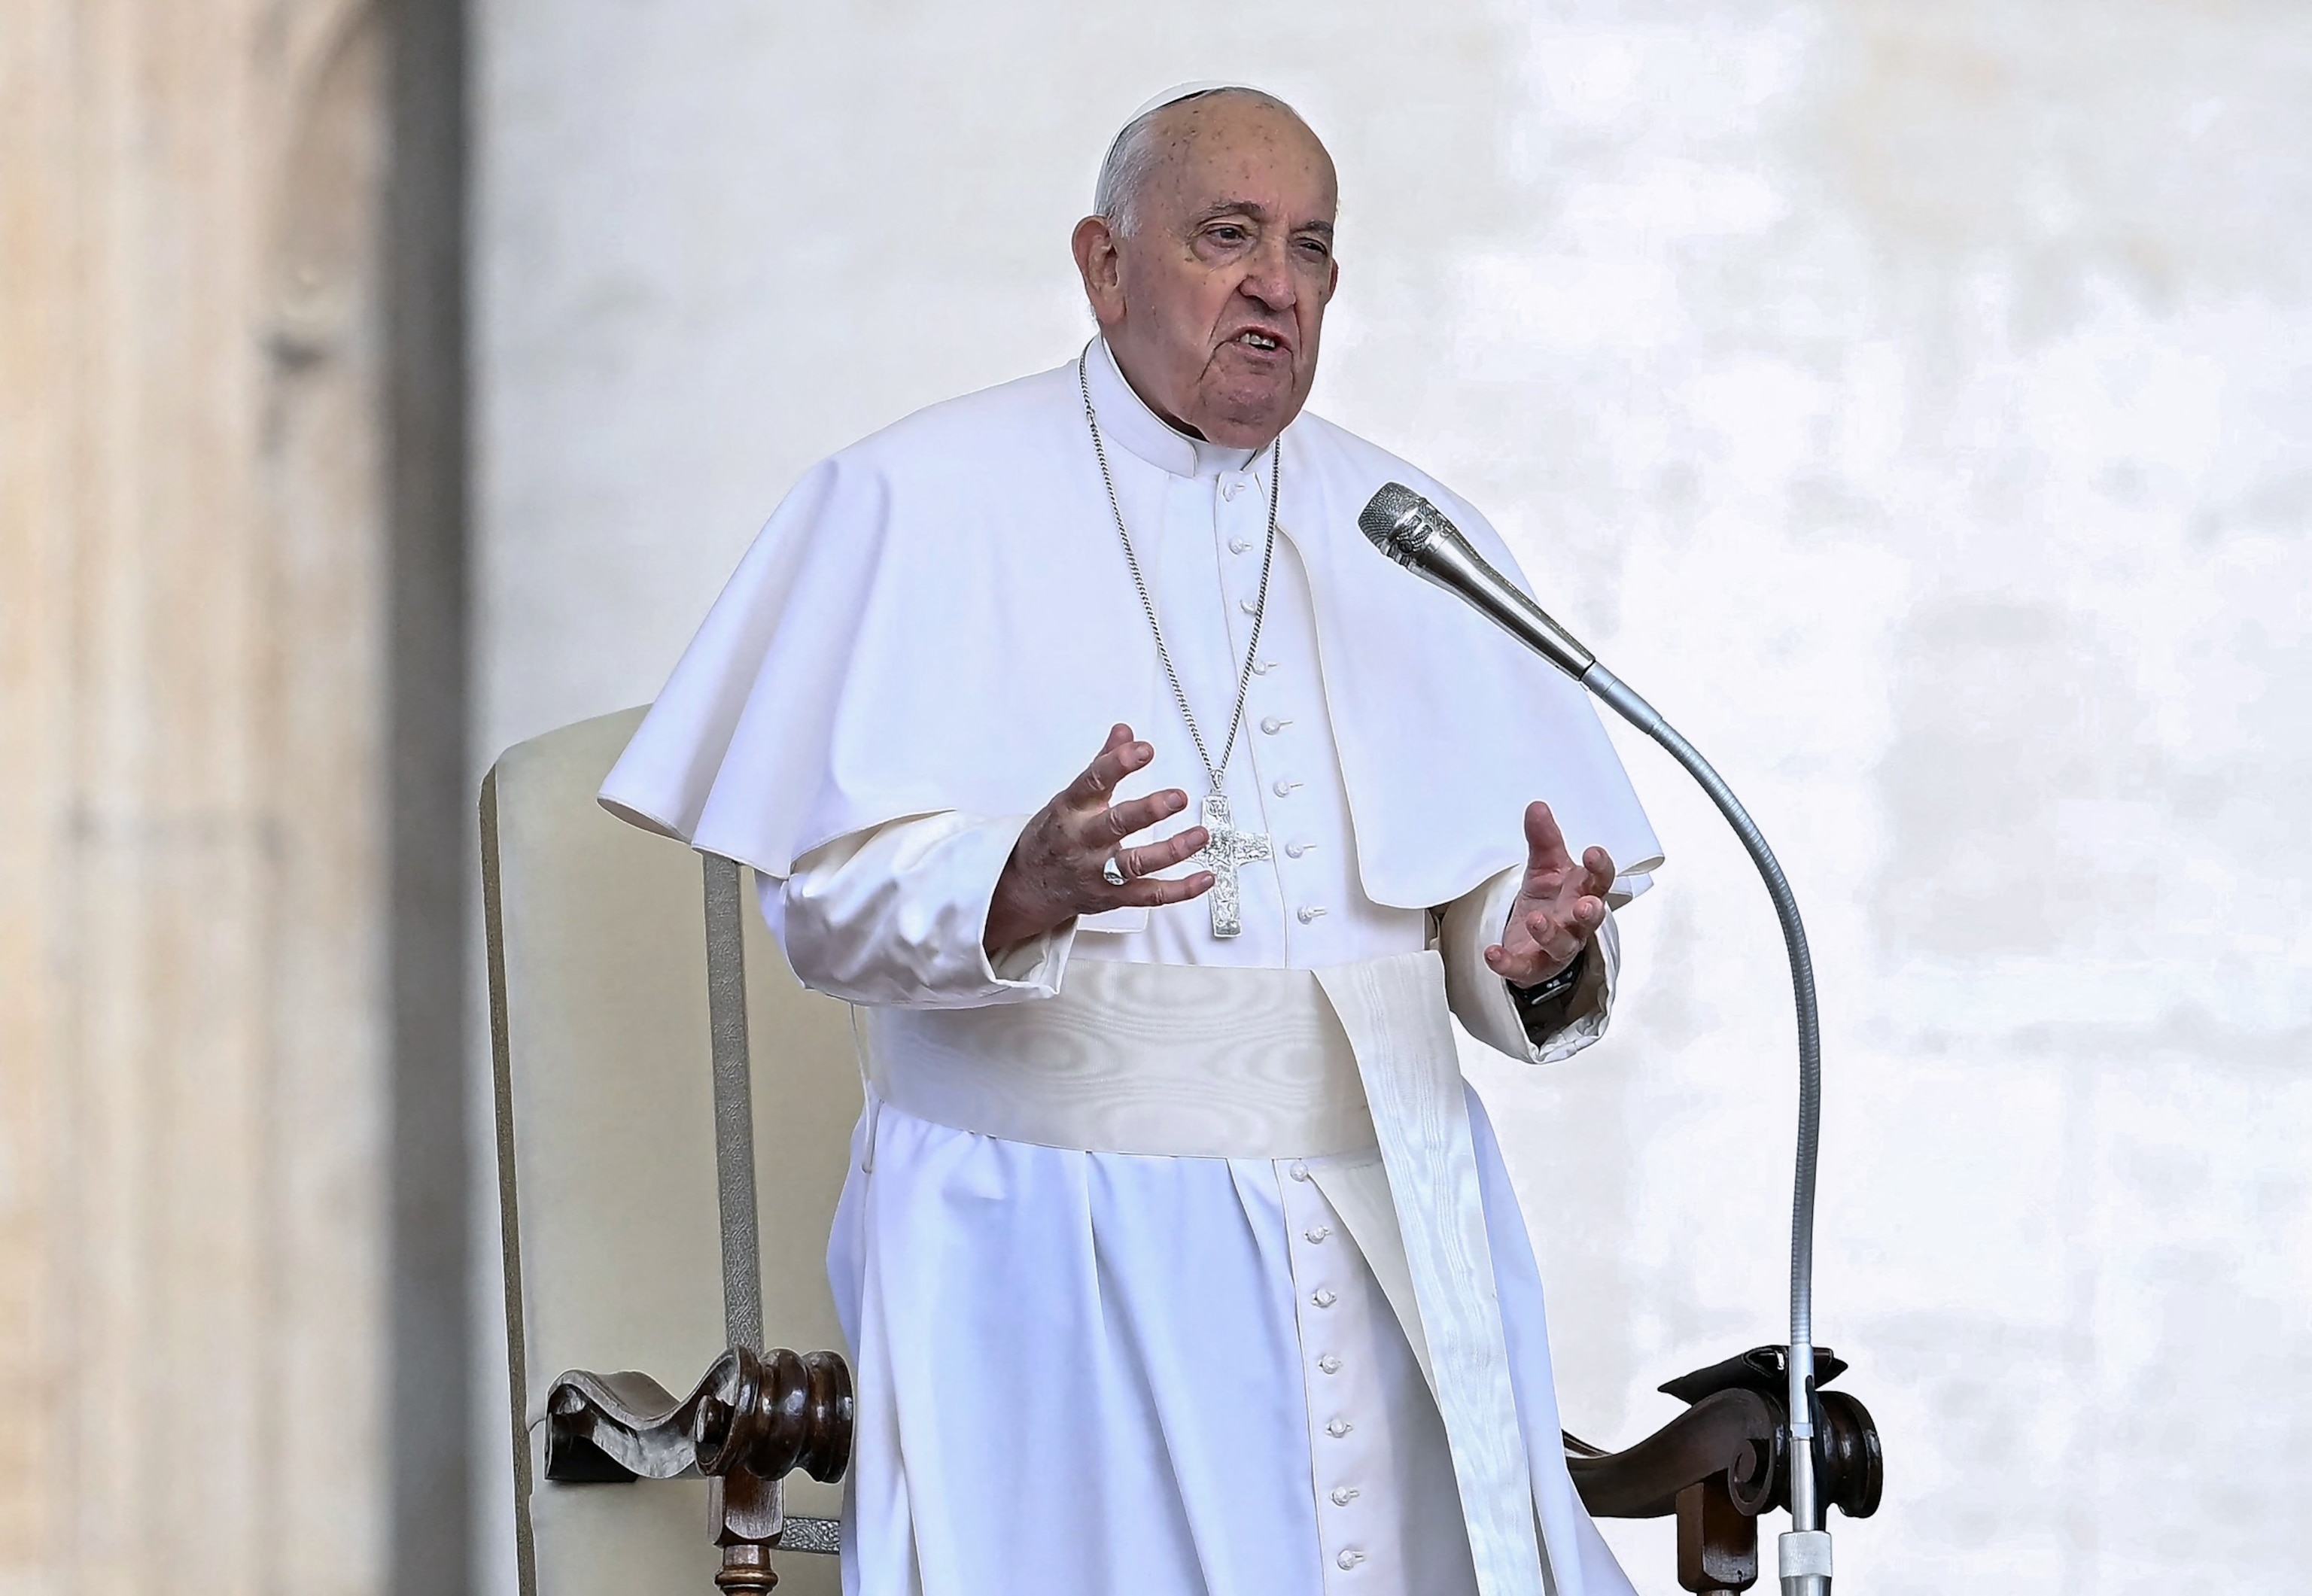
(1559, 907)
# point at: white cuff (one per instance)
(896, 915)
(1481, 1001)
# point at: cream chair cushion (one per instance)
(605, 1152)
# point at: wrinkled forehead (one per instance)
(1226, 145)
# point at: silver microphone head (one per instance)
(1418, 535)
(1392, 519)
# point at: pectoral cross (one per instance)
(1228, 849)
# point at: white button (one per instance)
(1262, 667)
(1236, 545)
(1317, 1234)
(1295, 849)
(1247, 606)
(1314, 911)
(1272, 725)
(1350, 1558)
(1342, 1495)
(1299, 1171)
(1323, 1298)
(1283, 788)
(1329, 1364)
(1338, 1428)
(1230, 486)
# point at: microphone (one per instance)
(1418, 535)
(1415, 533)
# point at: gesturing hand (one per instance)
(1054, 873)
(1559, 906)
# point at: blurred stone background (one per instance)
(1911, 401)
(236, 823)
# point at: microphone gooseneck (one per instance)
(1416, 535)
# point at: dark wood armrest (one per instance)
(1725, 1460)
(752, 1419)
(1731, 1432)
(766, 1413)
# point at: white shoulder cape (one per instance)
(939, 617)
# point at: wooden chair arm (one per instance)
(765, 1413)
(1731, 1432)
(1725, 1460)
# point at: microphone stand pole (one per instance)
(1804, 1553)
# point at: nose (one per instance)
(1269, 282)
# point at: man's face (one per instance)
(1214, 302)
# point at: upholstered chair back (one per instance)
(606, 1153)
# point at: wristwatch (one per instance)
(1540, 996)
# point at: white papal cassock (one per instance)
(1091, 1371)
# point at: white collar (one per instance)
(1125, 418)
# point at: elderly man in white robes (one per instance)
(1174, 1257)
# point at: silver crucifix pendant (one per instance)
(1228, 849)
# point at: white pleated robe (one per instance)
(1089, 1372)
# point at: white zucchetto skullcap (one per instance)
(1173, 96)
(1179, 92)
(1105, 194)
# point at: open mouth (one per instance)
(1254, 339)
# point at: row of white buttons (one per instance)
(1232, 485)
(1332, 1385)
(1329, 1364)
(1282, 787)
(1270, 725)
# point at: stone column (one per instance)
(198, 693)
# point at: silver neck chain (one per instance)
(1148, 604)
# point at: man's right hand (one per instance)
(1054, 873)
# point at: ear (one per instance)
(1101, 267)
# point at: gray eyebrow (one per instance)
(1246, 208)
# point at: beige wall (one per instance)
(1910, 399)
(191, 1030)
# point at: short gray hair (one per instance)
(1134, 154)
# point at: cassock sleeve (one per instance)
(894, 915)
(1480, 999)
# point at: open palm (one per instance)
(1559, 907)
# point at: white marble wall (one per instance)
(1910, 400)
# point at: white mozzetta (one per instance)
(1197, 515)
(939, 618)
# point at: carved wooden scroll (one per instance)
(1725, 1462)
(754, 1417)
